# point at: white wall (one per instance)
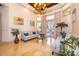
(76, 23)
(21, 12)
(73, 28)
(17, 10)
(4, 21)
(0, 27)
(68, 20)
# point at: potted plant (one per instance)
(63, 34)
(62, 25)
(15, 32)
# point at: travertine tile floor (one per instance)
(33, 47)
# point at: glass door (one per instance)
(50, 27)
(39, 24)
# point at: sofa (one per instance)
(28, 35)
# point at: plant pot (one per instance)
(16, 41)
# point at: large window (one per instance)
(39, 24)
(50, 25)
(50, 17)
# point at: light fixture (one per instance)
(41, 8)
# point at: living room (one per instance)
(23, 18)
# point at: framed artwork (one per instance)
(67, 11)
(74, 16)
(32, 23)
(18, 21)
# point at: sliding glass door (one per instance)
(50, 25)
(39, 24)
(50, 28)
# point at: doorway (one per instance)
(50, 27)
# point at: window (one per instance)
(50, 25)
(50, 17)
(39, 24)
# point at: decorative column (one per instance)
(58, 18)
(44, 24)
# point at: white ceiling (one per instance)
(27, 6)
(49, 10)
(30, 8)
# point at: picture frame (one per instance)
(67, 11)
(32, 23)
(18, 20)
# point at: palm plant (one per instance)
(62, 25)
(63, 34)
(15, 32)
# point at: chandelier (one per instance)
(41, 8)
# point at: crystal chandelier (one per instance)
(41, 8)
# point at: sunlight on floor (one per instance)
(33, 47)
(50, 40)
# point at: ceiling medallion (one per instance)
(41, 8)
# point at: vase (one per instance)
(16, 41)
